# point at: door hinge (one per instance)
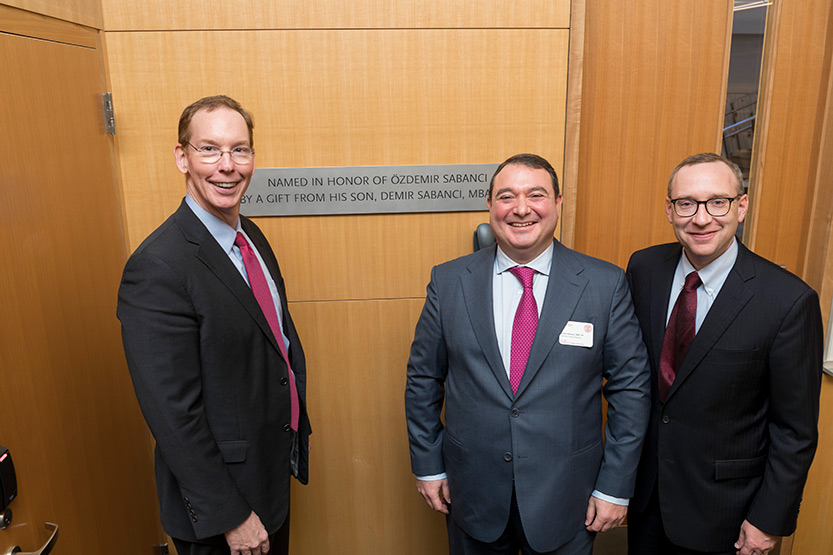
(109, 120)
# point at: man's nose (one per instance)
(521, 206)
(226, 163)
(702, 216)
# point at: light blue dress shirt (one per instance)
(712, 276)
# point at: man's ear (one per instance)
(743, 206)
(181, 158)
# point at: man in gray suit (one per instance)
(519, 462)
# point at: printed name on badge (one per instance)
(577, 334)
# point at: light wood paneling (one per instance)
(341, 98)
(362, 496)
(69, 417)
(85, 12)
(334, 14)
(572, 138)
(791, 108)
(28, 24)
(652, 94)
(814, 533)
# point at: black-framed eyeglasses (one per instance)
(717, 206)
(211, 154)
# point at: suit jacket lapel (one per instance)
(209, 253)
(661, 283)
(733, 296)
(477, 292)
(566, 284)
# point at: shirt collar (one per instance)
(220, 230)
(715, 272)
(542, 263)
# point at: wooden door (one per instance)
(69, 418)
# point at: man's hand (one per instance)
(753, 541)
(250, 538)
(436, 494)
(602, 515)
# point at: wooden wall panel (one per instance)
(345, 97)
(814, 533)
(70, 419)
(29, 24)
(653, 93)
(785, 158)
(362, 496)
(84, 12)
(340, 98)
(334, 14)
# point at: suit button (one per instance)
(665, 419)
(284, 381)
(507, 457)
(515, 413)
(286, 427)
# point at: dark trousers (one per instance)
(278, 544)
(512, 540)
(646, 534)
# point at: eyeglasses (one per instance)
(688, 207)
(211, 154)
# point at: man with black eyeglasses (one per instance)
(735, 344)
(216, 362)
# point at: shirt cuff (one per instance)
(432, 477)
(615, 500)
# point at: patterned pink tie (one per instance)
(523, 329)
(678, 334)
(260, 288)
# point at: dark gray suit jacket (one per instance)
(210, 380)
(548, 437)
(736, 435)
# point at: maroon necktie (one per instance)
(260, 288)
(523, 328)
(678, 334)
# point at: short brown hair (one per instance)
(706, 158)
(209, 104)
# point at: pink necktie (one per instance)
(678, 334)
(523, 328)
(260, 288)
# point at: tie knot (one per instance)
(240, 241)
(692, 281)
(524, 275)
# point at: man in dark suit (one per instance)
(519, 462)
(216, 362)
(735, 405)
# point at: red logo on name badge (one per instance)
(588, 328)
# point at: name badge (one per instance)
(577, 334)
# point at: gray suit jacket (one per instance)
(547, 438)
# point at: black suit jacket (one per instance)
(210, 380)
(736, 436)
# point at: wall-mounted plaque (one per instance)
(368, 190)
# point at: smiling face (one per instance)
(523, 211)
(216, 187)
(705, 237)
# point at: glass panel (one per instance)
(742, 91)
